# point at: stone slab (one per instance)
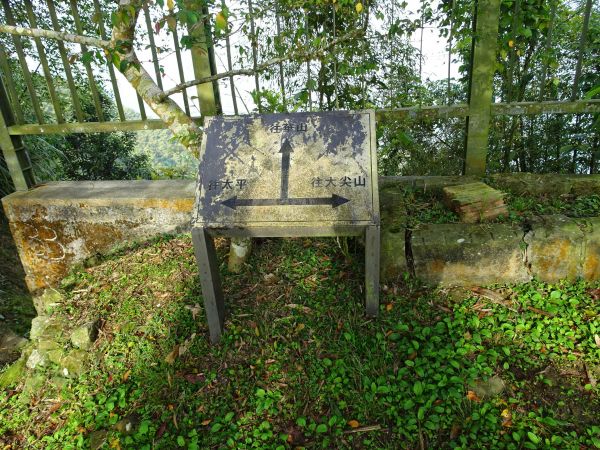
(466, 254)
(475, 202)
(60, 224)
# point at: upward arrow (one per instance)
(286, 150)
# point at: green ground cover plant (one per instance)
(428, 208)
(300, 366)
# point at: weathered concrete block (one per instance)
(59, 224)
(554, 184)
(555, 248)
(51, 298)
(393, 253)
(394, 220)
(562, 248)
(84, 336)
(463, 254)
(590, 264)
(73, 364)
(47, 327)
(37, 359)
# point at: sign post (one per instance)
(285, 175)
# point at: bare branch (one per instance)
(302, 56)
(56, 35)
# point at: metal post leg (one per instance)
(210, 280)
(372, 270)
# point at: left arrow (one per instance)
(334, 201)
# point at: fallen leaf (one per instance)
(353, 423)
(471, 395)
(54, 407)
(170, 358)
(597, 340)
(126, 375)
(205, 422)
(300, 327)
(195, 377)
(195, 310)
(389, 306)
(161, 430)
(455, 431)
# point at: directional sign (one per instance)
(283, 168)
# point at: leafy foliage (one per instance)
(300, 366)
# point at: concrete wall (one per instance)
(58, 225)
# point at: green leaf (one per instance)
(301, 421)
(593, 92)
(216, 427)
(322, 428)
(180, 441)
(533, 437)
(418, 388)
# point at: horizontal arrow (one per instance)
(334, 201)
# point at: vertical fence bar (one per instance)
(582, 39)
(254, 43)
(60, 118)
(152, 44)
(212, 61)
(10, 83)
(10, 20)
(481, 86)
(392, 46)
(186, 105)
(111, 69)
(15, 155)
(201, 64)
(281, 74)
(450, 37)
(65, 61)
(513, 53)
(87, 65)
(230, 66)
(141, 107)
(335, 72)
(308, 77)
(547, 45)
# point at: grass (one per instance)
(301, 366)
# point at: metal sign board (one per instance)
(282, 168)
(302, 174)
